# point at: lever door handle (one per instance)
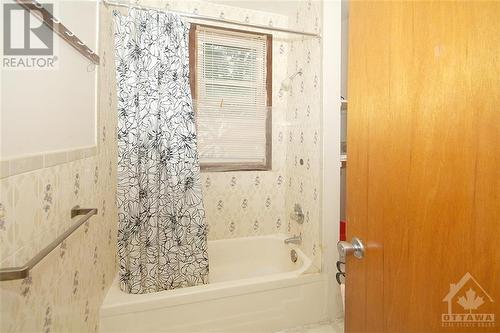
(355, 247)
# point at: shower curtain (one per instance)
(162, 235)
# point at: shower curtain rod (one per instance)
(214, 19)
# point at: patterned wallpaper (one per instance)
(34, 206)
(65, 290)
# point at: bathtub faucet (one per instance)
(294, 240)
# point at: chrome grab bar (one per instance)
(14, 273)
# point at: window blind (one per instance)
(231, 77)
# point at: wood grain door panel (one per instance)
(423, 177)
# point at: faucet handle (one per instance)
(297, 215)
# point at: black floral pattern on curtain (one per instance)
(162, 235)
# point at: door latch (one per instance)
(355, 247)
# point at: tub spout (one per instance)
(294, 240)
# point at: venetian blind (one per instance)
(231, 96)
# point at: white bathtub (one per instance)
(254, 287)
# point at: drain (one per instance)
(294, 256)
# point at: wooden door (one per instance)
(423, 173)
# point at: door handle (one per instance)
(355, 247)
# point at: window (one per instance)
(231, 82)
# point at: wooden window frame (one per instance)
(193, 47)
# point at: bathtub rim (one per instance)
(117, 302)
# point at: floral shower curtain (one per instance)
(162, 235)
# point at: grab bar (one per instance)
(14, 273)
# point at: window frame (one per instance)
(193, 48)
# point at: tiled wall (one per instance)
(64, 291)
(304, 145)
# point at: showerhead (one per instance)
(286, 85)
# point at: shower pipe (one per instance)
(214, 19)
(15, 273)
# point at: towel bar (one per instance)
(14, 273)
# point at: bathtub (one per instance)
(254, 287)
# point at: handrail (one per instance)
(14, 273)
(35, 8)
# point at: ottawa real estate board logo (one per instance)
(28, 43)
(469, 305)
